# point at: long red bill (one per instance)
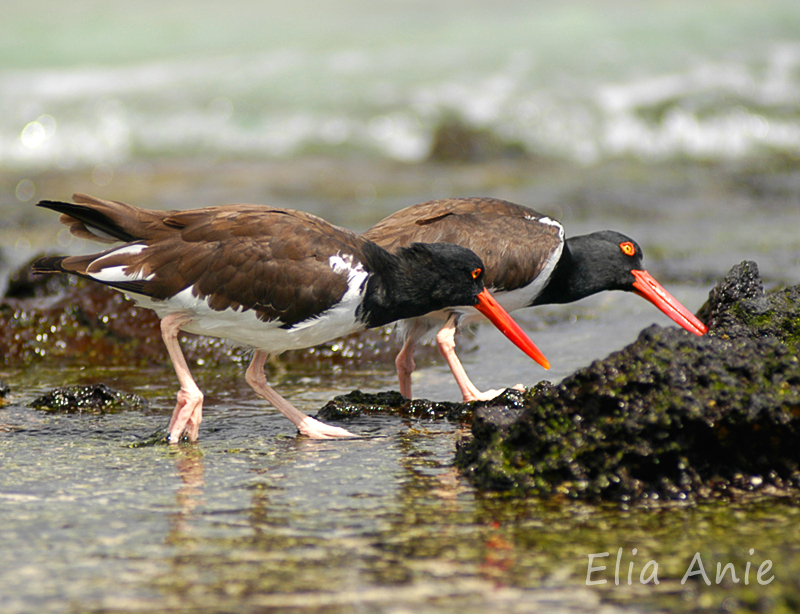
(498, 316)
(649, 288)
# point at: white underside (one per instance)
(243, 326)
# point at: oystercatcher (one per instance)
(528, 262)
(268, 278)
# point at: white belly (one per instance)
(244, 328)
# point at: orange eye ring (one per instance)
(627, 248)
(476, 273)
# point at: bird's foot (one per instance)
(319, 430)
(187, 416)
(192, 432)
(488, 395)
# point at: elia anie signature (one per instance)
(599, 573)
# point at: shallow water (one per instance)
(253, 519)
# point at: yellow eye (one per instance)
(627, 248)
(476, 273)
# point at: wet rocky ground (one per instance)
(670, 417)
(96, 515)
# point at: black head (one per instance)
(457, 276)
(426, 277)
(442, 274)
(608, 260)
(435, 276)
(610, 257)
(419, 279)
(593, 263)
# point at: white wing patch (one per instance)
(342, 316)
(117, 273)
(550, 222)
(356, 275)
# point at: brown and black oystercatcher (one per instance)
(528, 263)
(267, 278)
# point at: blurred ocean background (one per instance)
(98, 84)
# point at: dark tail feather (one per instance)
(74, 265)
(89, 217)
(49, 264)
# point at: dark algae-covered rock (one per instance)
(66, 319)
(356, 403)
(672, 416)
(739, 307)
(94, 399)
(393, 403)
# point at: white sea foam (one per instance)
(637, 97)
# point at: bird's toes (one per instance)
(487, 395)
(319, 430)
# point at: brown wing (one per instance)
(510, 239)
(274, 261)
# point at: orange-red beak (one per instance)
(498, 316)
(649, 288)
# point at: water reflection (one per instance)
(189, 496)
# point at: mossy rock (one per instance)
(392, 403)
(672, 416)
(93, 399)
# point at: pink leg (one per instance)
(404, 363)
(189, 411)
(405, 366)
(305, 424)
(446, 340)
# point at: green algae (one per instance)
(546, 533)
(95, 398)
(672, 416)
